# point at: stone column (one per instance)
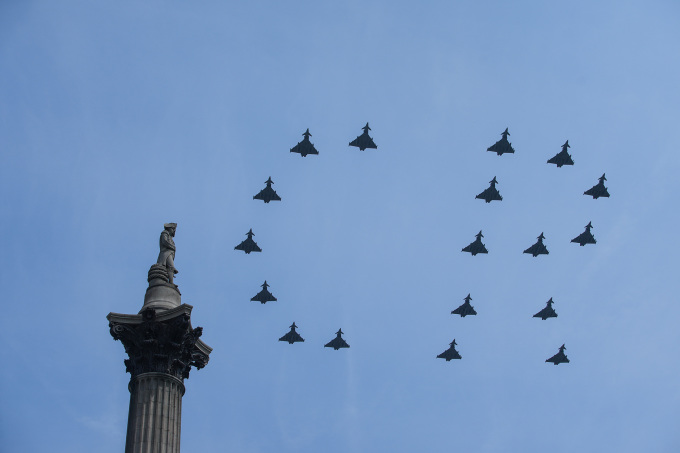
(162, 346)
(155, 418)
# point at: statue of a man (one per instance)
(166, 257)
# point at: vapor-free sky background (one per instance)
(116, 117)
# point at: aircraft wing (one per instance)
(337, 343)
(362, 142)
(501, 147)
(546, 313)
(292, 337)
(464, 310)
(304, 148)
(267, 194)
(449, 354)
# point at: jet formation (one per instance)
(586, 237)
(598, 190)
(264, 295)
(490, 193)
(267, 194)
(248, 245)
(538, 248)
(305, 146)
(337, 342)
(560, 357)
(563, 157)
(292, 336)
(450, 353)
(476, 246)
(547, 312)
(465, 309)
(364, 141)
(503, 145)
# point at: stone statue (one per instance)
(166, 257)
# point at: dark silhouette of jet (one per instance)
(598, 190)
(305, 146)
(586, 237)
(450, 353)
(267, 194)
(264, 296)
(476, 246)
(465, 309)
(503, 145)
(337, 342)
(538, 248)
(292, 336)
(248, 245)
(364, 140)
(490, 193)
(560, 357)
(563, 157)
(547, 312)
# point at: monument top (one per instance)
(162, 293)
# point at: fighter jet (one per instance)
(586, 237)
(490, 193)
(502, 145)
(267, 194)
(465, 309)
(305, 146)
(563, 157)
(364, 140)
(292, 336)
(598, 190)
(450, 353)
(538, 248)
(560, 357)
(248, 245)
(337, 342)
(476, 246)
(547, 312)
(264, 296)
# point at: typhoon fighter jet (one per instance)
(476, 246)
(364, 141)
(598, 190)
(305, 146)
(586, 237)
(538, 248)
(248, 245)
(337, 342)
(502, 145)
(292, 336)
(560, 357)
(264, 295)
(490, 193)
(267, 194)
(465, 309)
(450, 353)
(563, 157)
(547, 312)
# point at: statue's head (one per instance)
(171, 227)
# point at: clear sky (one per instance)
(116, 117)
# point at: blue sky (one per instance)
(116, 118)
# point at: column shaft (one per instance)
(155, 417)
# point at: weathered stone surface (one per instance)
(161, 295)
(166, 256)
(162, 342)
(155, 417)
